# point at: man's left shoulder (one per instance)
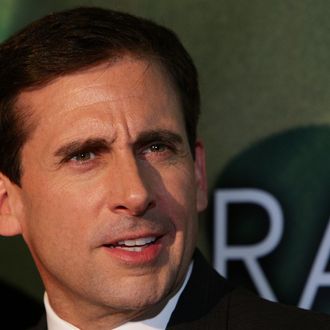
(248, 311)
(210, 302)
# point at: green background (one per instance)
(264, 70)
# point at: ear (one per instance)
(9, 223)
(200, 174)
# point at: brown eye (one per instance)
(83, 156)
(157, 147)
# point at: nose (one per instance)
(131, 192)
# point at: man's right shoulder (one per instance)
(42, 324)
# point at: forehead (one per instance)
(128, 87)
(121, 75)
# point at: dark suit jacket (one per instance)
(15, 302)
(210, 302)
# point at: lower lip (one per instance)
(147, 255)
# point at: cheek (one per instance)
(180, 197)
(57, 230)
(55, 214)
(183, 213)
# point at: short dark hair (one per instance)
(68, 41)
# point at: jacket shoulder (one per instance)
(211, 302)
(248, 311)
(42, 324)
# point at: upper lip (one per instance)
(132, 229)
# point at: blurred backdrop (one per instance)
(264, 76)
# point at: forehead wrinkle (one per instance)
(83, 96)
(124, 123)
(144, 73)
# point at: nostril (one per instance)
(142, 209)
(151, 205)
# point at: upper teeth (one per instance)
(137, 242)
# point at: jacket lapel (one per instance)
(204, 301)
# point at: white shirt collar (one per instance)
(160, 321)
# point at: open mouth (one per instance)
(134, 245)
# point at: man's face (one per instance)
(110, 192)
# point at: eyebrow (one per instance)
(158, 135)
(73, 147)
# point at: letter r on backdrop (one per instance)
(249, 254)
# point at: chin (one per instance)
(144, 297)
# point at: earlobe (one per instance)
(9, 224)
(200, 174)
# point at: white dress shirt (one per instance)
(159, 322)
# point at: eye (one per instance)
(158, 151)
(158, 147)
(83, 156)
